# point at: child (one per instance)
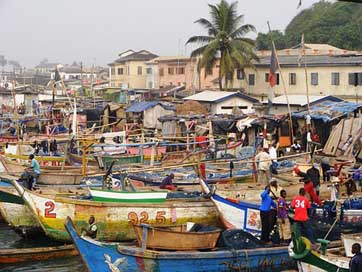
(282, 218)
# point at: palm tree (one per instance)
(225, 42)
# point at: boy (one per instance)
(282, 218)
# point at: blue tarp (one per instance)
(328, 110)
(142, 106)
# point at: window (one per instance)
(277, 79)
(170, 70)
(149, 71)
(120, 71)
(180, 70)
(267, 77)
(150, 85)
(355, 79)
(160, 71)
(292, 79)
(240, 74)
(229, 76)
(113, 71)
(139, 70)
(232, 107)
(251, 79)
(209, 73)
(335, 79)
(314, 79)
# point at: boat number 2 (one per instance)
(143, 217)
(49, 208)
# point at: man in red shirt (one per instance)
(301, 204)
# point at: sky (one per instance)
(95, 32)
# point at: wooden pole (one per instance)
(283, 83)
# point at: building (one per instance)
(129, 71)
(218, 102)
(45, 67)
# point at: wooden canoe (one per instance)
(348, 240)
(128, 197)
(113, 219)
(18, 255)
(175, 237)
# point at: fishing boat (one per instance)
(348, 240)
(102, 257)
(235, 215)
(16, 214)
(18, 255)
(179, 237)
(310, 260)
(128, 197)
(113, 219)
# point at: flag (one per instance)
(301, 51)
(273, 68)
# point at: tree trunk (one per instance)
(220, 79)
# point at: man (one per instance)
(274, 193)
(273, 156)
(264, 162)
(309, 188)
(355, 265)
(295, 146)
(283, 220)
(315, 176)
(35, 169)
(167, 183)
(266, 204)
(301, 204)
(92, 229)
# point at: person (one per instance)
(92, 229)
(282, 218)
(264, 163)
(274, 192)
(295, 146)
(315, 176)
(301, 204)
(355, 264)
(309, 141)
(266, 204)
(325, 168)
(35, 169)
(304, 140)
(273, 156)
(309, 188)
(167, 182)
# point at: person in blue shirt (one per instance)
(266, 204)
(35, 167)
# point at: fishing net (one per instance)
(239, 239)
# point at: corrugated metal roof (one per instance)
(329, 110)
(218, 96)
(142, 106)
(301, 100)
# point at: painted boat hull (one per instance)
(16, 214)
(348, 240)
(18, 255)
(175, 238)
(242, 215)
(113, 219)
(128, 197)
(120, 160)
(132, 259)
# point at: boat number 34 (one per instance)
(48, 210)
(143, 217)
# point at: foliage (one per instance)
(263, 41)
(225, 41)
(337, 24)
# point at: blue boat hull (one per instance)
(99, 257)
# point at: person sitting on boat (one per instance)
(355, 265)
(92, 228)
(266, 204)
(283, 220)
(295, 147)
(167, 183)
(301, 204)
(315, 176)
(34, 169)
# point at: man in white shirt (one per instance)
(263, 165)
(273, 156)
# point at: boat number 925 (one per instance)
(49, 208)
(143, 217)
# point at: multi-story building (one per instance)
(129, 71)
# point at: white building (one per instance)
(220, 102)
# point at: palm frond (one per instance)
(207, 25)
(199, 39)
(242, 31)
(198, 52)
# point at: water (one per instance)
(10, 239)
